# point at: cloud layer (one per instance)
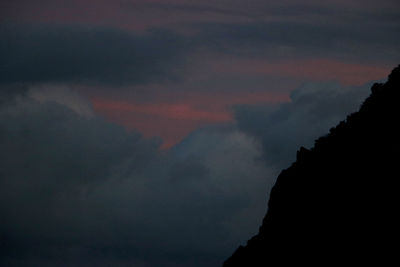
(78, 190)
(313, 110)
(75, 188)
(78, 54)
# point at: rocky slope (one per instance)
(338, 203)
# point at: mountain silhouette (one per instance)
(338, 203)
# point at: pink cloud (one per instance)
(170, 111)
(135, 15)
(172, 121)
(347, 73)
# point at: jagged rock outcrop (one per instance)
(338, 203)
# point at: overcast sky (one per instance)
(149, 133)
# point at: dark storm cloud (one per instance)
(78, 54)
(295, 39)
(77, 189)
(83, 54)
(313, 110)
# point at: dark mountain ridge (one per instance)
(338, 203)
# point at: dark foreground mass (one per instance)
(339, 202)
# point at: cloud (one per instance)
(64, 96)
(355, 40)
(314, 108)
(78, 190)
(78, 54)
(40, 53)
(75, 188)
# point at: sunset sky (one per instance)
(149, 133)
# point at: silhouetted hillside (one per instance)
(338, 203)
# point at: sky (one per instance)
(149, 133)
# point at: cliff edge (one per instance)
(339, 202)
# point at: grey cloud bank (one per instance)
(313, 110)
(79, 54)
(78, 190)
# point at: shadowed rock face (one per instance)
(339, 202)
